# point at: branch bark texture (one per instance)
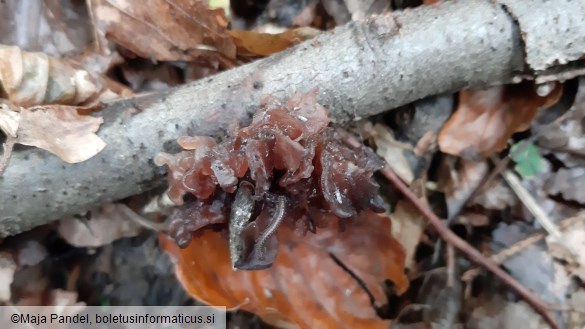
(361, 69)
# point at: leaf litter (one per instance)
(327, 271)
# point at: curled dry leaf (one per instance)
(109, 223)
(486, 119)
(165, 30)
(59, 129)
(305, 286)
(28, 79)
(264, 44)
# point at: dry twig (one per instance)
(455, 241)
(468, 250)
(501, 257)
(455, 55)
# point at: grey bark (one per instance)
(361, 69)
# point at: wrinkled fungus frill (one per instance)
(286, 151)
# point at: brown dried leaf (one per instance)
(28, 79)
(486, 119)
(264, 44)
(165, 30)
(109, 223)
(305, 286)
(59, 129)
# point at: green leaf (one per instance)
(528, 161)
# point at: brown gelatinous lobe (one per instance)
(299, 169)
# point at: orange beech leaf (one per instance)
(306, 286)
(165, 30)
(486, 119)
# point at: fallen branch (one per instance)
(361, 69)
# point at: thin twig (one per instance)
(503, 163)
(517, 247)
(468, 250)
(536, 210)
(450, 266)
(452, 239)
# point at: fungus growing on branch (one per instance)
(287, 167)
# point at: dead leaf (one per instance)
(496, 196)
(569, 183)
(533, 266)
(264, 44)
(392, 151)
(58, 129)
(7, 270)
(9, 120)
(442, 298)
(165, 30)
(305, 286)
(573, 238)
(31, 253)
(54, 27)
(569, 136)
(407, 227)
(576, 317)
(109, 223)
(28, 79)
(486, 119)
(362, 9)
(501, 313)
(460, 178)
